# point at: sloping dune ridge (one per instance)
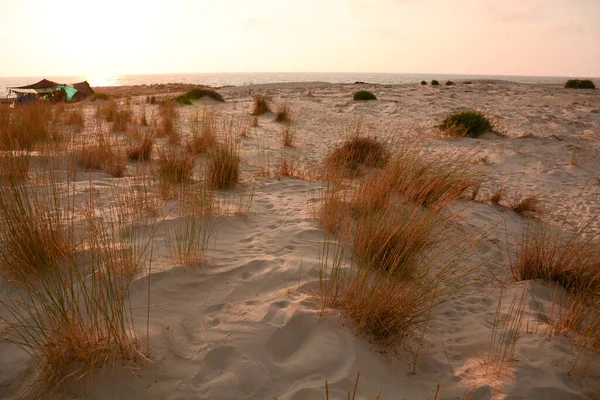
(245, 319)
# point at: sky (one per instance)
(487, 37)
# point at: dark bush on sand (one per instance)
(364, 95)
(580, 84)
(449, 83)
(423, 83)
(466, 123)
(434, 83)
(196, 94)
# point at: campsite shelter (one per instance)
(48, 90)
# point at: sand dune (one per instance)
(246, 324)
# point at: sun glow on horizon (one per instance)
(121, 37)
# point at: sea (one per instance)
(243, 78)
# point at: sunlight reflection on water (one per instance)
(239, 79)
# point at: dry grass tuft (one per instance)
(359, 151)
(75, 118)
(141, 151)
(102, 155)
(121, 118)
(505, 334)
(24, 127)
(175, 168)
(398, 252)
(14, 166)
(394, 239)
(223, 169)
(261, 105)
(497, 194)
(288, 134)
(529, 205)
(201, 142)
(283, 113)
(189, 236)
(557, 254)
(69, 308)
(166, 126)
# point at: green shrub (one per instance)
(423, 83)
(572, 84)
(466, 123)
(196, 94)
(449, 83)
(363, 95)
(586, 84)
(435, 83)
(580, 84)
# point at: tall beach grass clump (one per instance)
(223, 170)
(559, 255)
(25, 127)
(204, 138)
(69, 302)
(466, 123)
(397, 253)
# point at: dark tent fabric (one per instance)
(84, 88)
(43, 84)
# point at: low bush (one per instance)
(449, 83)
(580, 84)
(359, 151)
(261, 105)
(466, 123)
(435, 83)
(424, 83)
(196, 94)
(363, 95)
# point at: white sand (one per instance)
(245, 326)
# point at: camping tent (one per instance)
(49, 90)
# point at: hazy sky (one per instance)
(503, 37)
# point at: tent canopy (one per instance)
(43, 84)
(82, 89)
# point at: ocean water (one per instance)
(240, 79)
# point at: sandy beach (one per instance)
(245, 320)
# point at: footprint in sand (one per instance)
(286, 340)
